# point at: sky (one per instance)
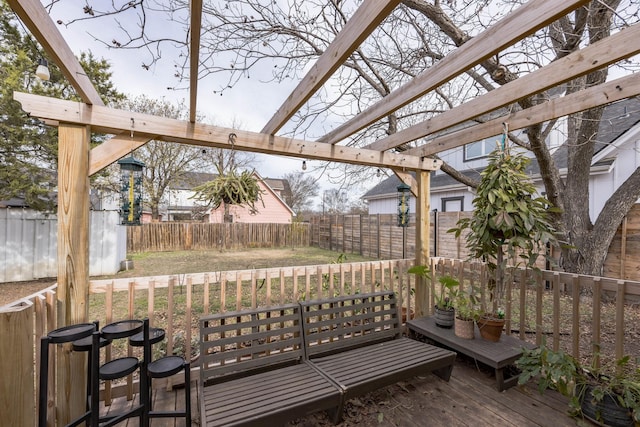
(250, 104)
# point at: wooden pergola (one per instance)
(77, 120)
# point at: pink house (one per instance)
(271, 209)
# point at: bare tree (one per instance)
(165, 164)
(277, 40)
(303, 189)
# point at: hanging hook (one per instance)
(232, 138)
(133, 124)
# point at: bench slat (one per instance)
(263, 398)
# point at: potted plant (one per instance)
(508, 226)
(443, 309)
(609, 396)
(467, 313)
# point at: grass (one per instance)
(181, 263)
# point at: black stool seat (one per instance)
(155, 336)
(122, 329)
(84, 344)
(71, 333)
(118, 368)
(165, 366)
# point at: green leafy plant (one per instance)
(560, 371)
(509, 225)
(448, 292)
(232, 188)
(466, 303)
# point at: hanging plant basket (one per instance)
(444, 318)
(490, 328)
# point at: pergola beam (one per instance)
(356, 30)
(113, 149)
(166, 129)
(585, 99)
(37, 20)
(194, 57)
(525, 20)
(612, 49)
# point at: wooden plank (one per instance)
(422, 239)
(35, 17)
(365, 19)
(612, 49)
(114, 148)
(111, 120)
(594, 96)
(73, 261)
(17, 393)
(520, 23)
(195, 18)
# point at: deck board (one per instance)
(468, 399)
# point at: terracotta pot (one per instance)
(490, 329)
(444, 318)
(464, 328)
(404, 314)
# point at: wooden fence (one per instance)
(584, 315)
(175, 236)
(378, 236)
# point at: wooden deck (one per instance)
(468, 399)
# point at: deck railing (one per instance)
(584, 315)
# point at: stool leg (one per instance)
(43, 384)
(187, 393)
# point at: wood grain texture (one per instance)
(612, 49)
(523, 21)
(73, 260)
(172, 130)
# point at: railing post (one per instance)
(17, 390)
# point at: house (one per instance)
(616, 156)
(181, 206)
(271, 209)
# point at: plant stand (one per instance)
(464, 328)
(490, 329)
(444, 318)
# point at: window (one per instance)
(453, 204)
(480, 149)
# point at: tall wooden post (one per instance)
(73, 263)
(422, 239)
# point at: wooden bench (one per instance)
(356, 341)
(253, 370)
(498, 355)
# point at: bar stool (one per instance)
(62, 335)
(86, 344)
(165, 367)
(117, 368)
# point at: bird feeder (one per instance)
(404, 193)
(130, 190)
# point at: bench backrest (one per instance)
(241, 343)
(342, 323)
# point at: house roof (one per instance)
(192, 179)
(617, 119)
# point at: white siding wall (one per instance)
(30, 244)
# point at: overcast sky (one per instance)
(250, 103)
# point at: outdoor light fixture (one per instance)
(304, 165)
(130, 190)
(42, 72)
(404, 193)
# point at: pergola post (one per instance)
(73, 262)
(422, 240)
